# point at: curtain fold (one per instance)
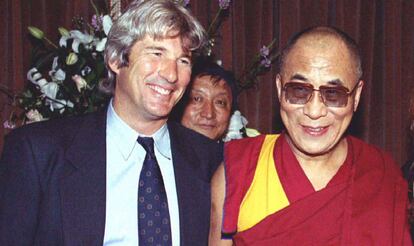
(383, 29)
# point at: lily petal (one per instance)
(106, 23)
(55, 63)
(63, 41)
(50, 89)
(100, 46)
(60, 75)
(83, 37)
(30, 75)
(75, 45)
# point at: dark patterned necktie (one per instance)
(153, 216)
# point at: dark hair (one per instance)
(328, 31)
(205, 67)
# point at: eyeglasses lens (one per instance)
(300, 93)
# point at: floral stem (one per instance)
(51, 43)
(210, 30)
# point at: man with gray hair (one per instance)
(124, 176)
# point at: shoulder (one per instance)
(55, 132)
(191, 138)
(206, 153)
(245, 147)
(372, 157)
(245, 142)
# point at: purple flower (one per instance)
(186, 2)
(96, 22)
(266, 62)
(9, 124)
(264, 51)
(224, 4)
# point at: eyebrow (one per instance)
(298, 76)
(160, 48)
(336, 82)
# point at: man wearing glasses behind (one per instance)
(313, 185)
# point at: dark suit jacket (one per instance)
(53, 182)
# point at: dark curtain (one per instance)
(384, 30)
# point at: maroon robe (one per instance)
(364, 204)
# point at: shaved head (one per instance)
(323, 38)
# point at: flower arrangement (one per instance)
(65, 77)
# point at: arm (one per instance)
(218, 186)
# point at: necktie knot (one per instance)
(148, 144)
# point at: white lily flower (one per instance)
(79, 38)
(55, 63)
(50, 89)
(59, 104)
(237, 123)
(59, 75)
(106, 24)
(100, 45)
(33, 75)
(63, 41)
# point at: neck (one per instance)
(141, 124)
(320, 169)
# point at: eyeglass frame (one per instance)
(310, 86)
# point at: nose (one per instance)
(168, 71)
(207, 111)
(315, 108)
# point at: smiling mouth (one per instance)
(206, 126)
(315, 131)
(160, 90)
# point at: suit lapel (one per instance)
(83, 187)
(192, 192)
(180, 162)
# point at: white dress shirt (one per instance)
(124, 159)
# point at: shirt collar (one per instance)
(126, 138)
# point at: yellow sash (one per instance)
(265, 195)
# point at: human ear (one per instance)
(358, 94)
(113, 65)
(278, 82)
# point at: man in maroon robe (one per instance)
(313, 184)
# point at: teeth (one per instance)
(316, 129)
(160, 90)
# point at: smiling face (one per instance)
(153, 82)
(209, 107)
(313, 128)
